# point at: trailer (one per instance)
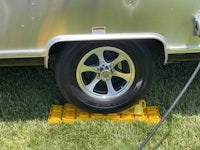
(102, 49)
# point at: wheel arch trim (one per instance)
(102, 37)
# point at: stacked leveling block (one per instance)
(69, 114)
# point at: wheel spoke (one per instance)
(125, 76)
(100, 55)
(111, 90)
(119, 59)
(90, 87)
(85, 68)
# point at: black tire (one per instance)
(101, 97)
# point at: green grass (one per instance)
(26, 94)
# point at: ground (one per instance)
(26, 94)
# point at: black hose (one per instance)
(170, 109)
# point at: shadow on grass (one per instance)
(27, 92)
(168, 83)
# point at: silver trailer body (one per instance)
(30, 27)
(33, 28)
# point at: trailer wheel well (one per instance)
(156, 48)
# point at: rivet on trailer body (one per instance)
(131, 2)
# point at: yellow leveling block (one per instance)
(69, 113)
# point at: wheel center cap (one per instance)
(106, 75)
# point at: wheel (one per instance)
(104, 76)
